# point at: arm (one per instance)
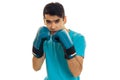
(37, 62)
(38, 52)
(74, 62)
(75, 65)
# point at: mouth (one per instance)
(52, 32)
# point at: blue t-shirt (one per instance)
(56, 64)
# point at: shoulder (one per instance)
(77, 38)
(75, 35)
(79, 42)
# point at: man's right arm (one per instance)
(37, 62)
(38, 52)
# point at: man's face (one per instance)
(54, 23)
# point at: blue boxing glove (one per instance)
(42, 35)
(63, 37)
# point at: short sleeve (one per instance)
(80, 44)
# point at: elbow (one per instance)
(76, 74)
(35, 64)
(36, 69)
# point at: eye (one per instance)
(48, 21)
(57, 21)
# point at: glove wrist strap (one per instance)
(70, 53)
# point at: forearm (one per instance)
(37, 63)
(75, 65)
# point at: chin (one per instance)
(52, 32)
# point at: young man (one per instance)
(62, 48)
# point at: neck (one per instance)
(67, 29)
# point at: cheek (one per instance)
(60, 27)
(48, 27)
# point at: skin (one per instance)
(55, 23)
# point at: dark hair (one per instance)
(54, 9)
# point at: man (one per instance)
(62, 48)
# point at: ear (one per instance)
(44, 21)
(65, 20)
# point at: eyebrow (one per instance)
(53, 20)
(57, 20)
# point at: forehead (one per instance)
(49, 17)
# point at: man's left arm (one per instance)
(75, 65)
(75, 62)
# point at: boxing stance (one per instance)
(61, 48)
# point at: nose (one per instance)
(53, 25)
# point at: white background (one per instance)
(97, 20)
